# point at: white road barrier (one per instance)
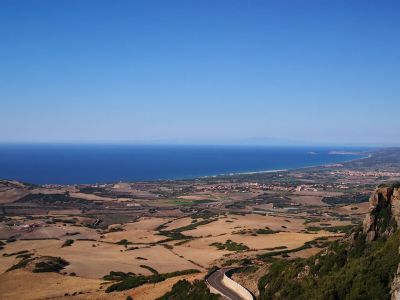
(224, 283)
(244, 293)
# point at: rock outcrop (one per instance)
(384, 213)
(382, 221)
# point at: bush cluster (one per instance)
(348, 270)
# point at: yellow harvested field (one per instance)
(289, 239)
(149, 223)
(362, 208)
(331, 223)
(95, 262)
(142, 231)
(144, 292)
(201, 251)
(21, 285)
(6, 262)
(94, 259)
(9, 195)
(65, 212)
(179, 223)
(317, 193)
(308, 200)
(153, 291)
(90, 197)
(193, 197)
(251, 221)
(45, 231)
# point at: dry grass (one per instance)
(44, 231)
(179, 223)
(308, 200)
(250, 221)
(9, 195)
(144, 292)
(21, 284)
(200, 251)
(361, 208)
(90, 197)
(142, 231)
(95, 262)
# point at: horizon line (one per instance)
(132, 143)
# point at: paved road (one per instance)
(215, 280)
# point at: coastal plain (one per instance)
(64, 241)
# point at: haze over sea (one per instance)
(71, 164)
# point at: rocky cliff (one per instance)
(384, 213)
(382, 221)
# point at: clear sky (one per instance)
(200, 71)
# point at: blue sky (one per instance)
(313, 72)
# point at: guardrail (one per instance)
(233, 285)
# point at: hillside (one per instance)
(362, 265)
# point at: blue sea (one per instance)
(71, 164)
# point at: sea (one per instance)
(95, 163)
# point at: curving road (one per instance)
(215, 280)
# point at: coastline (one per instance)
(175, 169)
(282, 170)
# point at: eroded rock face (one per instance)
(396, 205)
(382, 220)
(384, 213)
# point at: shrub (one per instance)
(356, 270)
(21, 264)
(230, 246)
(68, 243)
(124, 242)
(265, 231)
(183, 289)
(128, 281)
(53, 264)
(11, 239)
